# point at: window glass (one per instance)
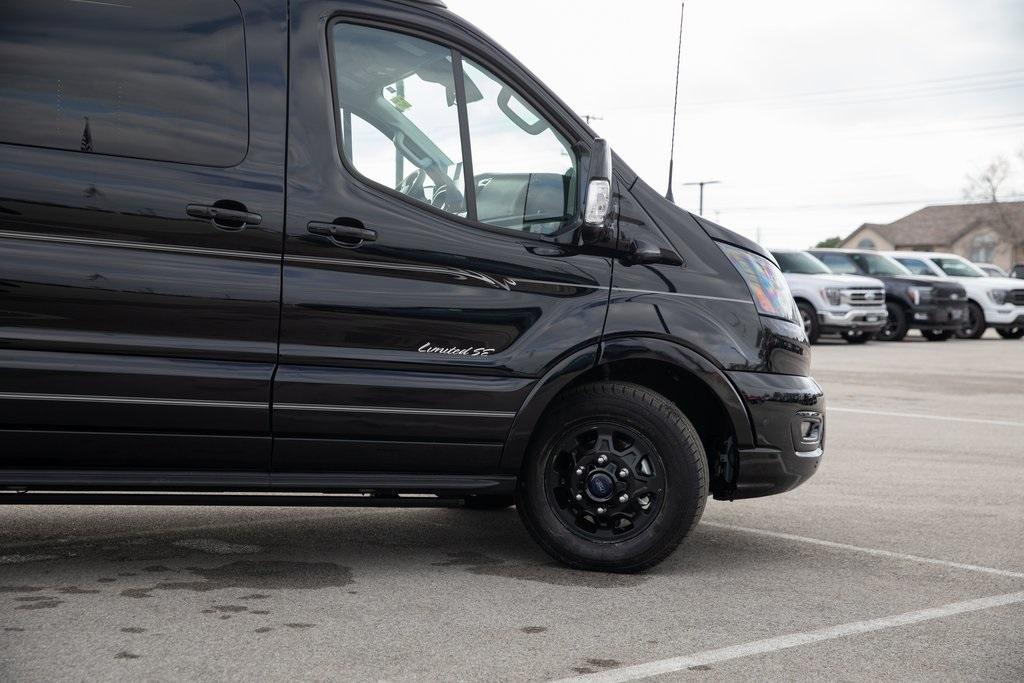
(134, 78)
(399, 114)
(957, 267)
(915, 266)
(801, 263)
(876, 264)
(524, 171)
(839, 263)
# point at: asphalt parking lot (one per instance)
(903, 558)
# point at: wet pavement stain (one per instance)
(47, 604)
(261, 612)
(14, 629)
(255, 596)
(137, 593)
(533, 629)
(157, 569)
(21, 589)
(263, 629)
(230, 608)
(75, 590)
(300, 625)
(126, 655)
(466, 558)
(275, 574)
(36, 598)
(106, 579)
(557, 575)
(604, 663)
(584, 670)
(133, 629)
(699, 667)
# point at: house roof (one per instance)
(944, 224)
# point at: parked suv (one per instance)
(936, 306)
(851, 306)
(993, 301)
(450, 288)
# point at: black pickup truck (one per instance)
(936, 306)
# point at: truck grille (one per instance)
(865, 297)
(1016, 297)
(950, 295)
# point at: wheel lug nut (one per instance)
(624, 497)
(623, 473)
(602, 459)
(579, 471)
(601, 511)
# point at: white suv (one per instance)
(849, 305)
(994, 301)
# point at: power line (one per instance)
(856, 205)
(701, 184)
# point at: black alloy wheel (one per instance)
(617, 476)
(896, 327)
(937, 335)
(975, 326)
(1011, 332)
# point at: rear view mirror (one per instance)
(599, 189)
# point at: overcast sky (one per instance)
(816, 116)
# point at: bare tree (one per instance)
(986, 183)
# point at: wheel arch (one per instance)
(683, 375)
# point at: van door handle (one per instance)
(350, 234)
(224, 218)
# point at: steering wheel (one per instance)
(412, 185)
(448, 198)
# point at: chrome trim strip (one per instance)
(132, 400)
(392, 410)
(816, 453)
(118, 244)
(687, 296)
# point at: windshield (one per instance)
(876, 264)
(800, 263)
(957, 267)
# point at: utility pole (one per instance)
(675, 105)
(701, 184)
(591, 117)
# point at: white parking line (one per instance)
(868, 551)
(664, 666)
(919, 416)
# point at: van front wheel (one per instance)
(615, 479)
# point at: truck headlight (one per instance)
(998, 296)
(766, 283)
(833, 295)
(919, 295)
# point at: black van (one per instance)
(353, 252)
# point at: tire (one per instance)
(896, 327)
(810, 318)
(858, 337)
(1011, 332)
(484, 502)
(975, 326)
(936, 335)
(636, 430)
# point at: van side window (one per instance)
(145, 79)
(525, 172)
(399, 117)
(404, 88)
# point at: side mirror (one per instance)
(598, 207)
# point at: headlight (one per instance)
(766, 284)
(833, 295)
(998, 296)
(919, 295)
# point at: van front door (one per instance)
(425, 288)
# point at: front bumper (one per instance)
(788, 415)
(1004, 316)
(859, 319)
(944, 316)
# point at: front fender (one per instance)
(592, 358)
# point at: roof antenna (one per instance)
(675, 105)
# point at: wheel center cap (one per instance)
(600, 486)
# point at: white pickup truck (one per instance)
(996, 302)
(851, 306)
